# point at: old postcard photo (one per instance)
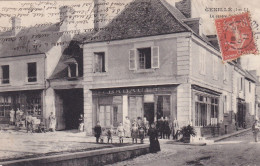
(129, 82)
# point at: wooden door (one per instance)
(60, 118)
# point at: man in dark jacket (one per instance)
(97, 131)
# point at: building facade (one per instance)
(154, 67)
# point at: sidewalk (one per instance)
(19, 144)
(216, 139)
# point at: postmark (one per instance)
(235, 36)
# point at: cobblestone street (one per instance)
(239, 150)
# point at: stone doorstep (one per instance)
(77, 155)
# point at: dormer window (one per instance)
(73, 70)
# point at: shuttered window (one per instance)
(144, 58)
(155, 57)
(132, 60)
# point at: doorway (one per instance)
(69, 106)
(149, 112)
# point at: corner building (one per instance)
(157, 65)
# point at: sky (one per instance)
(201, 8)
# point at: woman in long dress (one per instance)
(52, 124)
(153, 137)
(127, 127)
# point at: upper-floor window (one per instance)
(215, 68)
(225, 72)
(202, 61)
(241, 83)
(249, 87)
(5, 74)
(99, 62)
(73, 70)
(32, 72)
(144, 58)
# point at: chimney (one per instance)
(66, 18)
(184, 6)
(100, 19)
(16, 25)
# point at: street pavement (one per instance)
(238, 150)
(19, 144)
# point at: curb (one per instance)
(190, 144)
(231, 135)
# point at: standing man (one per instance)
(255, 129)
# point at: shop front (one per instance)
(111, 106)
(206, 114)
(21, 103)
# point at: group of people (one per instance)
(138, 129)
(19, 119)
(167, 128)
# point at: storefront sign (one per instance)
(131, 90)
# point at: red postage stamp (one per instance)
(235, 36)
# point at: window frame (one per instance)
(76, 70)
(34, 78)
(103, 66)
(2, 75)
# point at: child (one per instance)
(97, 131)
(141, 134)
(41, 128)
(110, 134)
(120, 132)
(134, 132)
(102, 136)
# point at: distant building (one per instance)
(42, 70)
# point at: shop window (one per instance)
(32, 72)
(105, 116)
(163, 106)
(144, 58)
(73, 70)
(5, 74)
(135, 107)
(206, 111)
(115, 113)
(33, 102)
(5, 105)
(99, 62)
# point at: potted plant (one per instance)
(186, 132)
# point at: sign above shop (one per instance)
(139, 90)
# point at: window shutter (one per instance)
(132, 60)
(155, 57)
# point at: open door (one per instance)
(60, 119)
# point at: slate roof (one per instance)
(25, 41)
(143, 18)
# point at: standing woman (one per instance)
(52, 124)
(127, 127)
(81, 123)
(154, 143)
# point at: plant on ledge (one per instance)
(186, 132)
